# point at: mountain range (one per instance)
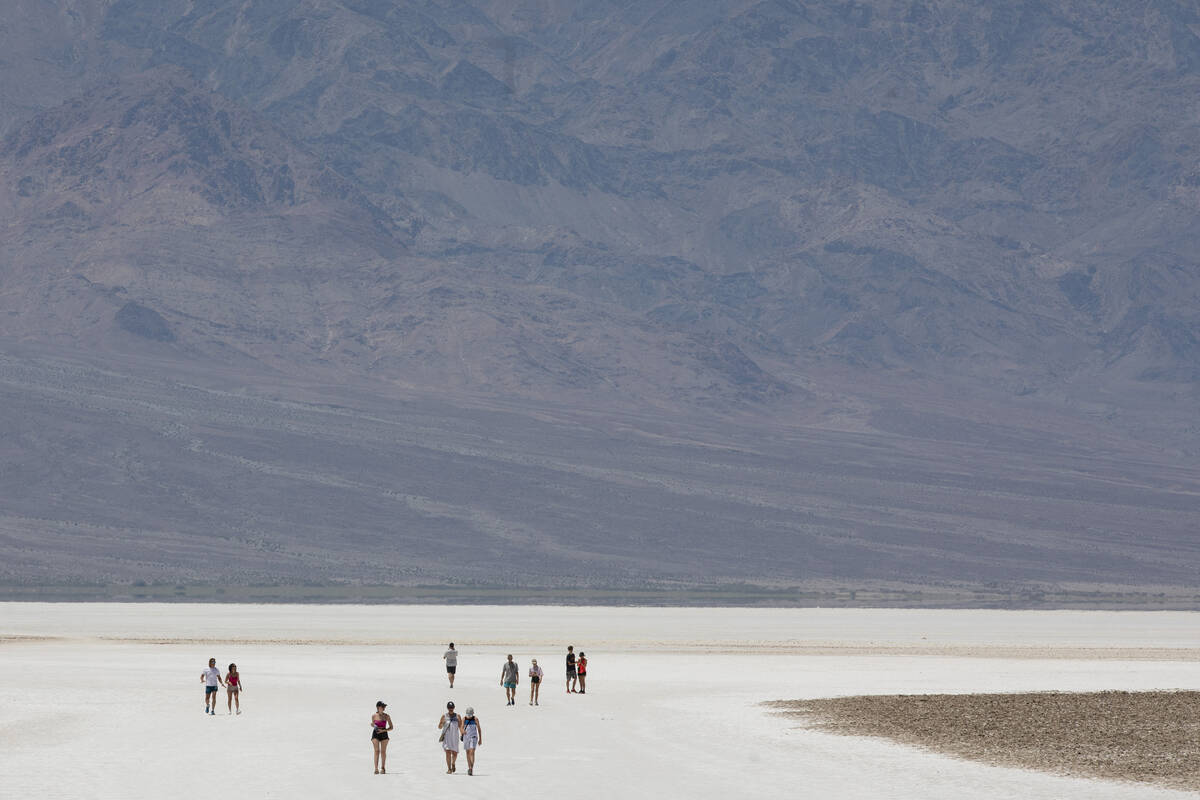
(515, 292)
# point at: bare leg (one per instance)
(375, 745)
(383, 757)
(449, 764)
(582, 682)
(450, 675)
(471, 760)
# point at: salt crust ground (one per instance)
(104, 701)
(1133, 736)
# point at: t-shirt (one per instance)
(582, 665)
(510, 672)
(451, 658)
(212, 676)
(535, 672)
(570, 662)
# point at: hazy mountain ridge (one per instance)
(935, 225)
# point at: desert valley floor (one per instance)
(105, 700)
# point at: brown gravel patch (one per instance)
(1151, 737)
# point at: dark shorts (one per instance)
(450, 670)
(210, 689)
(379, 736)
(570, 672)
(535, 679)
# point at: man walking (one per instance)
(509, 677)
(211, 678)
(571, 676)
(451, 657)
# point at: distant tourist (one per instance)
(211, 678)
(450, 723)
(509, 677)
(233, 689)
(582, 668)
(381, 723)
(451, 657)
(535, 682)
(472, 737)
(572, 676)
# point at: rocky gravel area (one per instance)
(1151, 737)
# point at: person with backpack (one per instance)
(472, 737)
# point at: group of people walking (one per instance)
(213, 681)
(457, 731)
(465, 732)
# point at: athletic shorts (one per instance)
(509, 685)
(570, 672)
(210, 689)
(450, 670)
(535, 679)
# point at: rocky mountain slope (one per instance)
(904, 220)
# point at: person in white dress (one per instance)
(451, 727)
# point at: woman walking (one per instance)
(381, 723)
(451, 725)
(535, 682)
(233, 689)
(472, 737)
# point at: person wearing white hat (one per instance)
(535, 682)
(472, 737)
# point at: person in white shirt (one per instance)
(535, 682)
(451, 657)
(212, 680)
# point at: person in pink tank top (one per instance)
(233, 689)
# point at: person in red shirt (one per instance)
(581, 666)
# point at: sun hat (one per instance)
(381, 703)
(535, 660)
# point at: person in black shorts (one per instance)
(381, 723)
(572, 677)
(451, 657)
